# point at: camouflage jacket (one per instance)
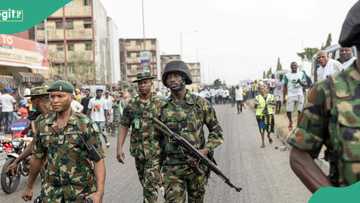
(187, 118)
(332, 118)
(68, 170)
(144, 141)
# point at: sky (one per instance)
(233, 40)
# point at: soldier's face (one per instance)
(174, 81)
(60, 101)
(144, 87)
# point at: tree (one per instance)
(328, 40)
(264, 75)
(217, 83)
(269, 73)
(278, 65)
(308, 53)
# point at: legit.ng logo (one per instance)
(11, 15)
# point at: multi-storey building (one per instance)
(78, 41)
(166, 58)
(195, 71)
(132, 57)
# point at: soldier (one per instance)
(144, 143)
(40, 102)
(69, 145)
(332, 118)
(186, 114)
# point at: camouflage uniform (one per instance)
(187, 118)
(332, 118)
(68, 172)
(144, 143)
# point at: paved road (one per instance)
(264, 174)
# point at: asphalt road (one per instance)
(263, 173)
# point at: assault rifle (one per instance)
(193, 152)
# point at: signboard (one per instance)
(15, 51)
(145, 59)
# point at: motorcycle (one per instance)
(14, 147)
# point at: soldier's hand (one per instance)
(204, 151)
(27, 196)
(96, 197)
(120, 156)
(12, 168)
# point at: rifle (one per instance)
(193, 152)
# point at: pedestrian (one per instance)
(85, 101)
(327, 66)
(118, 108)
(98, 110)
(109, 118)
(293, 92)
(279, 93)
(264, 111)
(144, 143)
(72, 172)
(7, 102)
(239, 97)
(186, 114)
(330, 119)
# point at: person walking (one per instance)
(239, 98)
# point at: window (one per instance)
(40, 26)
(71, 47)
(87, 24)
(88, 46)
(69, 25)
(138, 43)
(60, 47)
(59, 24)
(86, 2)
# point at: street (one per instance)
(264, 174)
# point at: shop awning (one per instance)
(28, 77)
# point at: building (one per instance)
(78, 41)
(22, 61)
(195, 71)
(113, 51)
(138, 53)
(166, 58)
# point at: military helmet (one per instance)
(350, 32)
(177, 66)
(145, 75)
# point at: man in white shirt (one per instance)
(7, 102)
(279, 93)
(98, 108)
(239, 98)
(293, 91)
(327, 66)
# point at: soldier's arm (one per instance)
(35, 167)
(215, 137)
(307, 170)
(125, 123)
(308, 138)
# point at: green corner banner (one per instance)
(21, 15)
(348, 194)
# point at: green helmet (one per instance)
(177, 66)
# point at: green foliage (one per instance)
(308, 53)
(278, 65)
(328, 40)
(269, 73)
(264, 75)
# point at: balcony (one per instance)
(78, 11)
(74, 56)
(79, 34)
(51, 35)
(140, 48)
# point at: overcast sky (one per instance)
(232, 39)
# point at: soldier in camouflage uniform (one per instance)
(186, 114)
(70, 173)
(144, 141)
(332, 118)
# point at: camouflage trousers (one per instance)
(180, 179)
(150, 178)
